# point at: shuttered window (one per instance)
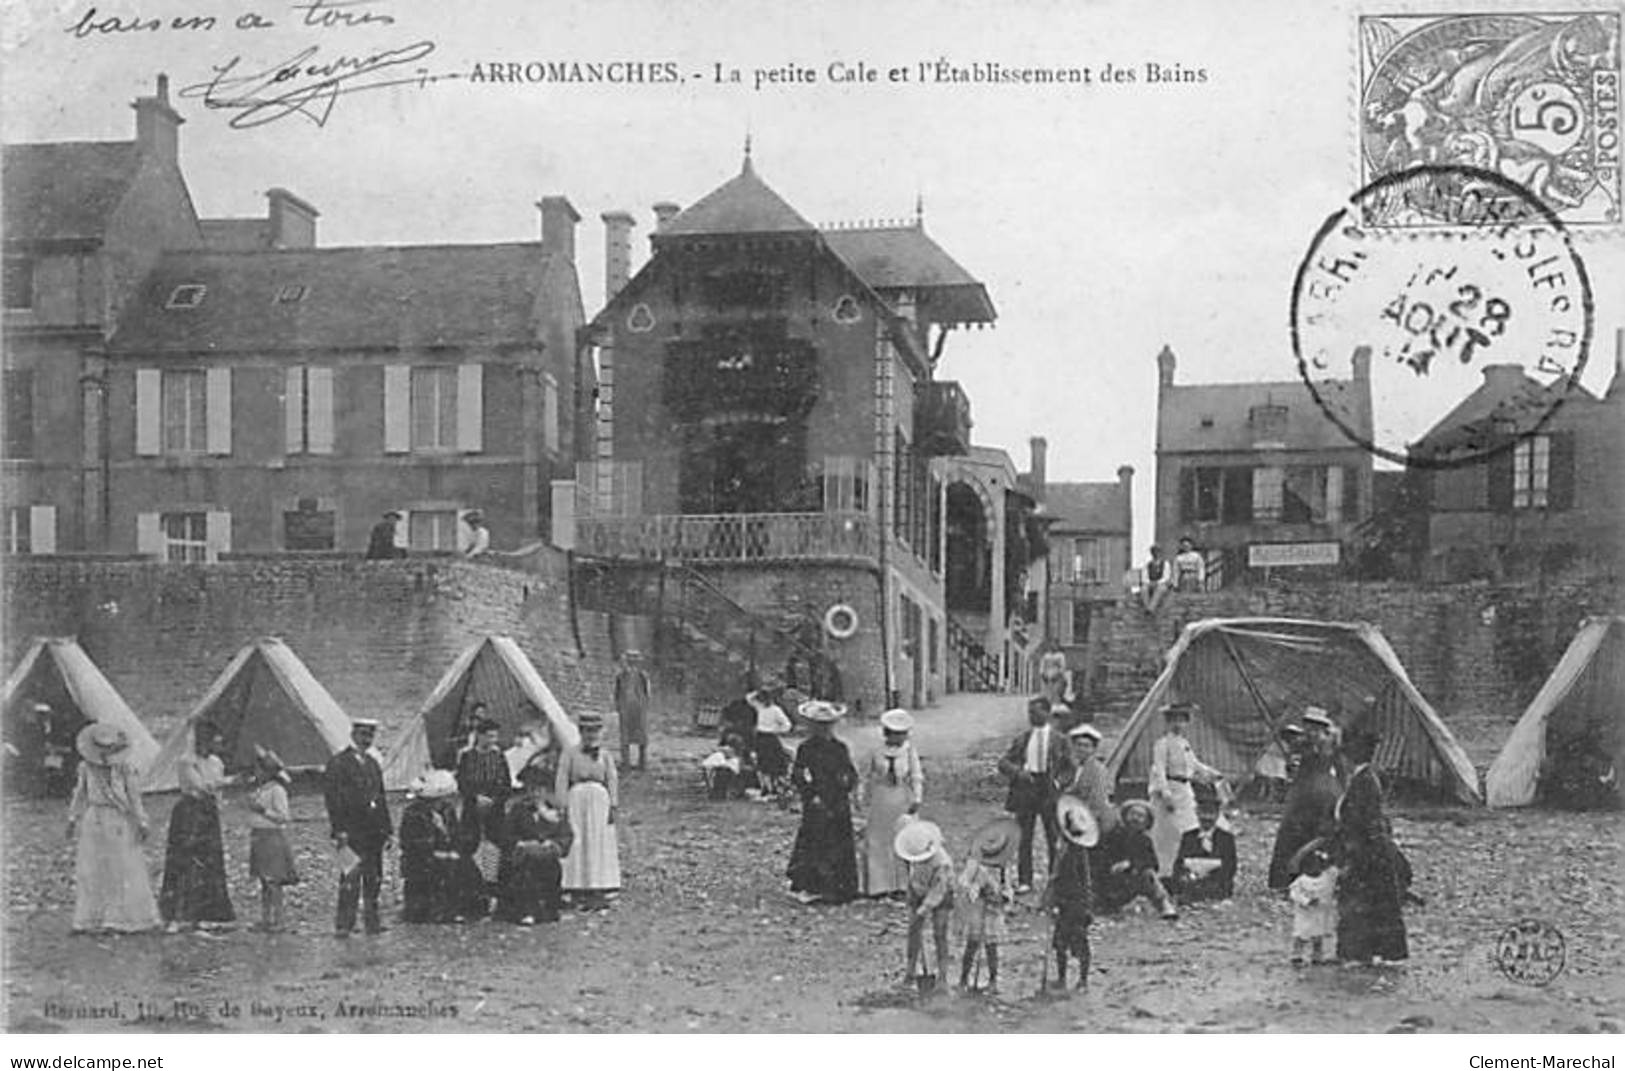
(307, 403)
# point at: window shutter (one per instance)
(149, 385)
(1236, 496)
(397, 409)
(403, 529)
(470, 408)
(1351, 492)
(320, 408)
(217, 533)
(1500, 480)
(218, 408)
(42, 530)
(293, 411)
(1187, 495)
(550, 412)
(1560, 471)
(149, 534)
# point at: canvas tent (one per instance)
(1250, 676)
(265, 696)
(1570, 744)
(493, 671)
(57, 671)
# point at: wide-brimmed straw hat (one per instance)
(1131, 806)
(435, 784)
(1077, 823)
(917, 841)
(897, 721)
(98, 742)
(819, 710)
(995, 843)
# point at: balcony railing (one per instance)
(729, 537)
(942, 423)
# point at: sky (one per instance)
(1106, 220)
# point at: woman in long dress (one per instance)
(194, 891)
(1374, 875)
(1311, 799)
(823, 862)
(893, 784)
(1174, 766)
(112, 891)
(590, 788)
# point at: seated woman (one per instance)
(441, 882)
(725, 770)
(1205, 867)
(536, 835)
(1125, 863)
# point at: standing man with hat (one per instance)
(1174, 766)
(1312, 798)
(1036, 765)
(632, 707)
(1090, 781)
(381, 542)
(358, 814)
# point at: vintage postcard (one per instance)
(723, 517)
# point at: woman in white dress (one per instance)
(106, 822)
(1174, 766)
(892, 785)
(590, 788)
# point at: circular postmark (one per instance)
(1439, 352)
(1531, 952)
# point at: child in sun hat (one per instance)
(1069, 896)
(930, 895)
(984, 896)
(270, 859)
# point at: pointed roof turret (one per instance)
(742, 205)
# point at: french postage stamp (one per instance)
(1532, 97)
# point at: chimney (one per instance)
(1360, 363)
(1125, 480)
(293, 220)
(1507, 377)
(559, 219)
(1165, 367)
(1040, 465)
(157, 125)
(665, 212)
(617, 251)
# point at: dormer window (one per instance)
(1268, 422)
(1207, 422)
(292, 294)
(186, 296)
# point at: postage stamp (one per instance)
(1505, 307)
(1532, 97)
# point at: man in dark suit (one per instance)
(359, 819)
(1037, 765)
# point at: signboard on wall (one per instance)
(1283, 555)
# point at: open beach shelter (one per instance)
(1570, 743)
(495, 672)
(265, 696)
(56, 671)
(1251, 676)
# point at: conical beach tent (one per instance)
(1570, 744)
(265, 696)
(493, 671)
(58, 672)
(1250, 676)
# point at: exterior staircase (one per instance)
(975, 670)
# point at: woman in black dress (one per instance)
(1311, 799)
(193, 894)
(823, 863)
(1374, 873)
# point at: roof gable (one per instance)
(61, 191)
(1220, 416)
(1087, 507)
(906, 258)
(742, 205)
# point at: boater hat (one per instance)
(996, 842)
(917, 841)
(819, 710)
(1077, 823)
(897, 721)
(1088, 731)
(1318, 716)
(364, 723)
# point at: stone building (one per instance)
(770, 435)
(1258, 477)
(1090, 552)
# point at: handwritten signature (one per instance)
(307, 84)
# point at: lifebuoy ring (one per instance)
(841, 621)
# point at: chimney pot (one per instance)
(1165, 367)
(1040, 465)
(559, 219)
(1360, 363)
(617, 251)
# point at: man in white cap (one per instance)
(358, 814)
(1090, 782)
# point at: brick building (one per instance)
(770, 417)
(1258, 477)
(83, 224)
(1090, 552)
(1550, 499)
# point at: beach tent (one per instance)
(1251, 676)
(1570, 743)
(493, 671)
(265, 696)
(57, 671)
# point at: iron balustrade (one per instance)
(728, 537)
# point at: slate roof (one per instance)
(406, 296)
(890, 258)
(238, 234)
(1216, 416)
(1087, 507)
(1498, 408)
(742, 205)
(64, 190)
